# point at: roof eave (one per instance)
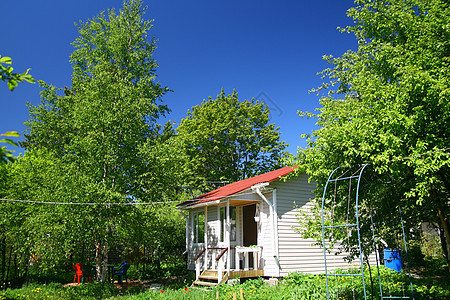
(251, 190)
(191, 206)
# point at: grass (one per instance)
(294, 286)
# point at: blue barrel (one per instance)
(393, 259)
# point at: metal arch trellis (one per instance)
(357, 175)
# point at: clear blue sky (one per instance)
(269, 50)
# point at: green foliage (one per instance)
(5, 154)
(294, 286)
(227, 139)
(152, 237)
(97, 131)
(51, 234)
(164, 175)
(112, 106)
(95, 290)
(7, 74)
(96, 142)
(3, 178)
(387, 104)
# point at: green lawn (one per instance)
(295, 286)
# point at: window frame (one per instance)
(195, 228)
(222, 216)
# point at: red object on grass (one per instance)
(78, 271)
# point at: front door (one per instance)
(250, 229)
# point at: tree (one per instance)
(54, 233)
(387, 104)
(227, 139)
(164, 174)
(100, 122)
(7, 74)
(5, 154)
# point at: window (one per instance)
(199, 227)
(223, 223)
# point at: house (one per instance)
(246, 229)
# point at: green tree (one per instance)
(111, 109)
(228, 139)
(7, 74)
(5, 154)
(55, 233)
(388, 104)
(164, 174)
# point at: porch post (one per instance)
(228, 237)
(205, 237)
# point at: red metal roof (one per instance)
(239, 186)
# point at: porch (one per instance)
(225, 235)
(212, 265)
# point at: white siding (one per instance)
(265, 239)
(297, 254)
(294, 253)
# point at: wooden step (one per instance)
(207, 277)
(210, 273)
(205, 283)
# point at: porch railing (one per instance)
(221, 264)
(197, 263)
(244, 251)
(220, 261)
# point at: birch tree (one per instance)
(110, 110)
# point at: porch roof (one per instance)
(236, 187)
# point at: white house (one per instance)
(246, 229)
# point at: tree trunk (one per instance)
(442, 239)
(445, 227)
(7, 270)
(442, 217)
(3, 260)
(16, 268)
(101, 256)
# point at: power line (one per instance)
(83, 203)
(121, 203)
(168, 202)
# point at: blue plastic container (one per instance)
(393, 259)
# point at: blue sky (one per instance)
(269, 50)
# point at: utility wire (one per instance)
(167, 202)
(125, 203)
(82, 203)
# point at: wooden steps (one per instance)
(209, 278)
(204, 283)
